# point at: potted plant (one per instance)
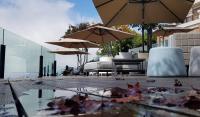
(125, 45)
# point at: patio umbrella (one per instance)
(100, 34)
(166, 31)
(118, 12)
(74, 43)
(68, 51)
(71, 51)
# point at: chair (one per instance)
(166, 61)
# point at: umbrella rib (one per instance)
(70, 45)
(84, 45)
(113, 35)
(101, 34)
(116, 14)
(102, 39)
(104, 3)
(190, 0)
(143, 10)
(95, 33)
(170, 11)
(142, 1)
(88, 36)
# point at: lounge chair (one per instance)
(103, 65)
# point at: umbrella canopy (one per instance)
(100, 34)
(68, 51)
(74, 43)
(166, 31)
(118, 12)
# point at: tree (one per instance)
(82, 59)
(78, 27)
(118, 46)
(149, 28)
(138, 40)
(126, 44)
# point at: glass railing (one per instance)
(22, 56)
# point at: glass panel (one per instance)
(166, 43)
(1, 36)
(22, 56)
(48, 60)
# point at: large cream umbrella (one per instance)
(74, 43)
(71, 51)
(100, 34)
(120, 12)
(166, 31)
(68, 51)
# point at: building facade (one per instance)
(193, 18)
(185, 40)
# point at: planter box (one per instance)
(143, 56)
(124, 55)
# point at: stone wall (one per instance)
(185, 41)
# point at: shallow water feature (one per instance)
(8, 110)
(42, 103)
(35, 101)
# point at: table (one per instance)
(138, 62)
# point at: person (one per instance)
(177, 84)
(67, 71)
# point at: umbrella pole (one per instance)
(78, 60)
(142, 38)
(143, 25)
(111, 49)
(86, 56)
(149, 38)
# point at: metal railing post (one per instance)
(2, 58)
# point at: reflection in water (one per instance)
(40, 93)
(8, 110)
(32, 104)
(69, 101)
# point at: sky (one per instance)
(46, 20)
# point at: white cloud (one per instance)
(80, 18)
(197, 1)
(41, 20)
(38, 20)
